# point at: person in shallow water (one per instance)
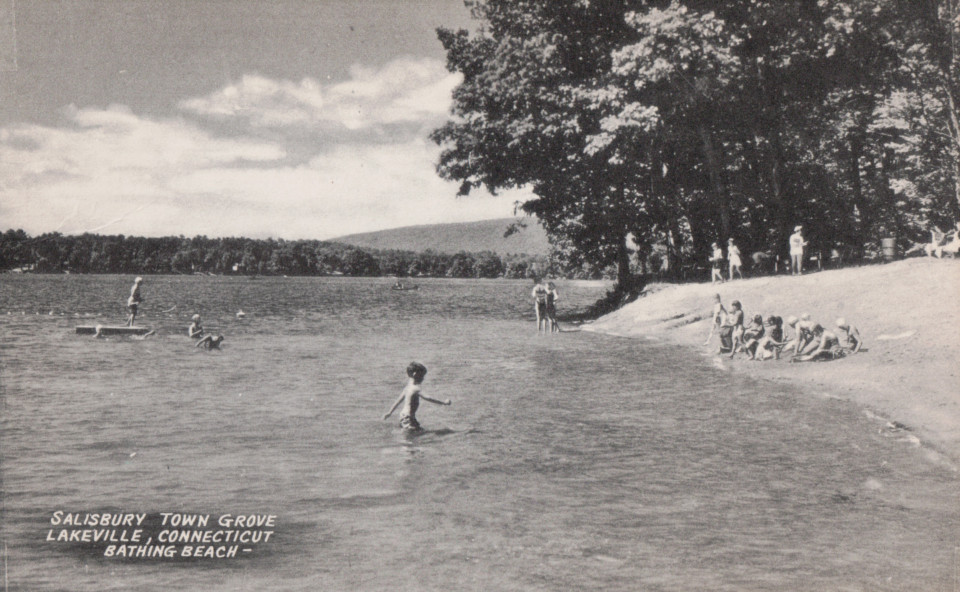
(539, 295)
(210, 342)
(552, 296)
(718, 314)
(195, 330)
(410, 397)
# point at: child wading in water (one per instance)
(195, 330)
(410, 397)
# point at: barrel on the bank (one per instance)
(889, 248)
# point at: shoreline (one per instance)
(908, 313)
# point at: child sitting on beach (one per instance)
(769, 345)
(410, 397)
(803, 335)
(850, 336)
(828, 348)
(195, 330)
(751, 335)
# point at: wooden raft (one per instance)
(112, 330)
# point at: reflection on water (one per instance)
(572, 461)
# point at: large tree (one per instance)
(533, 110)
(681, 122)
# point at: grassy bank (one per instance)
(908, 313)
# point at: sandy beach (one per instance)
(908, 313)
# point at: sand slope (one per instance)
(908, 313)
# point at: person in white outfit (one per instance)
(796, 250)
(733, 258)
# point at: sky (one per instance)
(259, 118)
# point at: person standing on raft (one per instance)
(133, 302)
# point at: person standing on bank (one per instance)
(733, 258)
(715, 258)
(133, 302)
(796, 250)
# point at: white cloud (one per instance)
(114, 171)
(101, 143)
(351, 189)
(405, 91)
(106, 164)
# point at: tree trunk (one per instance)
(716, 180)
(955, 135)
(892, 217)
(624, 278)
(866, 217)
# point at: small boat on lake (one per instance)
(402, 288)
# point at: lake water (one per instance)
(572, 461)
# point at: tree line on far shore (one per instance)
(92, 253)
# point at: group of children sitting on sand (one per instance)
(766, 339)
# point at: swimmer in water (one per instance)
(195, 330)
(210, 342)
(410, 397)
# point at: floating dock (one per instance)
(112, 330)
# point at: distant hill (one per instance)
(472, 237)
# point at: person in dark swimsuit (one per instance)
(539, 294)
(552, 296)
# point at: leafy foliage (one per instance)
(651, 125)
